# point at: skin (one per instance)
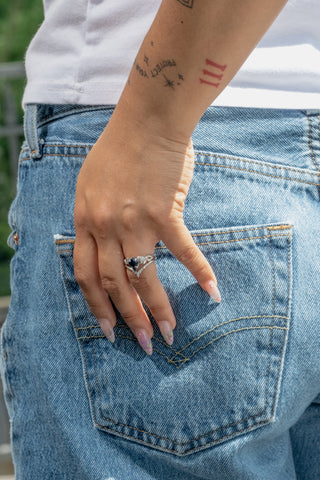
(133, 184)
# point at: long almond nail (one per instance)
(213, 291)
(166, 331)
(107, 329)
(144, 341)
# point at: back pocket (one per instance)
(222, 375)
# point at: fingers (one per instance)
(87, 275)
(124, 296)
(151, 290)
(181, 244)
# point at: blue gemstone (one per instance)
(133, 263)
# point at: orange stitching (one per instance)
(273, 275)
(228, 333)
(225, 323)
(239, 318)
(205, 435)
(158, 436)
(208, 234)
(200, 447)
(258, 172)
(61, 241)
(264, 164)
(279, 227)
(234, 240)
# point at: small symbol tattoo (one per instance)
(169, 83)
(180, 76)
(186, 3)
(151, 43)
(146, 60)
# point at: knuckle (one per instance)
(129, 317)
(111, 286)
(101, 219)
(129, 218)
(188, 255)
(141, 283)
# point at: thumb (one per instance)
(183, 247)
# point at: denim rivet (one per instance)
(16, 238)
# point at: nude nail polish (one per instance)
(166, 331)
(144, 341)
(107, 329)
(213, 291)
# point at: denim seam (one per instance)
(310, 144)
(275, 227)
(199, 163)
(213, 243)
(287, 321)
(273, 275)
(166, 438)
(80, 109)
(180, 352)
(233, 320)
(236, 423)
(84, 370)
(260, 173)
(248, 160)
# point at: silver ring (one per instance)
(137, 264)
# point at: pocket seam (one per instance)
(219, 440)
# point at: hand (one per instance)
(130, 194)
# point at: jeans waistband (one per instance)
(37, 115)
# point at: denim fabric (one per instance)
(237, 394)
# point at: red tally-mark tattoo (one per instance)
(217, 68)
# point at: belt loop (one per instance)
(30, 131)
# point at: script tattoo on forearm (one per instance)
(214, 73)
(149, 70)
(186, 3)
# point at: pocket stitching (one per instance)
(250, 427)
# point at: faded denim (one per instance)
(237, 394)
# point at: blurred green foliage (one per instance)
(19, 20)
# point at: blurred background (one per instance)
(19, 20)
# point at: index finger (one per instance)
(183, 247)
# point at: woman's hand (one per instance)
(130, 194)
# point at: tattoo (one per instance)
(169, 83)
(149, 70)
(186, 3)
(160, 66)
(217, 66)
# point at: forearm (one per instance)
(191, 52)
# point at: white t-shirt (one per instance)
(83, 53)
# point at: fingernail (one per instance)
(107, 329)
(144, 341)
(213, 291)
(166, 330)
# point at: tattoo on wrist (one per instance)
(149, 70)
(186, 3)
(213, 73)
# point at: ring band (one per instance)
(137, 264)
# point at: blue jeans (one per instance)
(237, 394)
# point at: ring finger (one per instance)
(151, 290)
(125, 298)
